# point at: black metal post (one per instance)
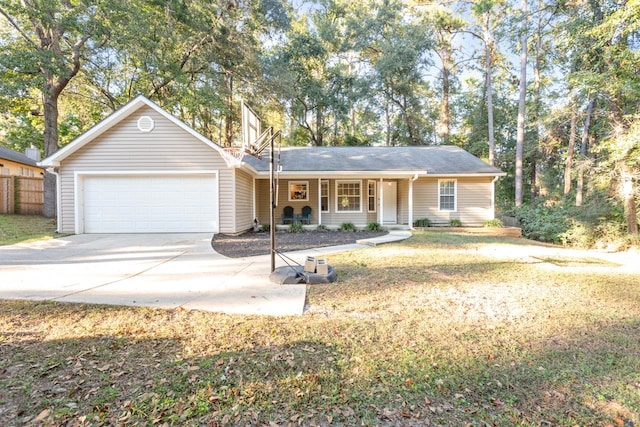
(272, 224)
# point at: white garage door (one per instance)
(150, 204)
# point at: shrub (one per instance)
(543, 222)
(493, 223)
(374, 226)
(321, 227)
(347, 226)
(455, 223)
(265, 227)
(422, 222)
(296, 227)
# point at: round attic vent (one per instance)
(145, 124)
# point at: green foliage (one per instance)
(454, 222)
(374, 226)
(422, 222)
(296, 227)
(600, 223)
(347, 226)
(493, 223)
(321, 227)
(265, 227)
(545, 223)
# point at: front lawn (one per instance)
(25, 228)
(442, 329)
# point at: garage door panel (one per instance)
(145, 204)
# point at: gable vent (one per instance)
(145, 124)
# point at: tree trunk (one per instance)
(50, 100)
(570, 152)
(583, 153)
(445, 109)
(489, 90)
(319, 139)
(629, 200)
(521, 108)
(228, 128)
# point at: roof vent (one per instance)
(145, 124)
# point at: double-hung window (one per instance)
(447, 195)
(348, 196)
(372, 196)
(324, 196)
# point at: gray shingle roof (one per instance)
(15, 156)
(435, 160)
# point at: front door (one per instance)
(390, 202)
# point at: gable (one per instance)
(139, 123)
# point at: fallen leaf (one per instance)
(42, 415)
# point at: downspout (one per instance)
(493, 197)
(54, 171)
(410, 216)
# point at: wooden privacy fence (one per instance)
(21, 195)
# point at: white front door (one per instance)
(390, 202)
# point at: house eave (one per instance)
(345, 174)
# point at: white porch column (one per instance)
(410, 216)
(319, 201)
(380, 203)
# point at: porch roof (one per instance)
(444, 160)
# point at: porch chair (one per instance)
(287, 215)
(306, 214)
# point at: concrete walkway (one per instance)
(154, 270)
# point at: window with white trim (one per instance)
(447, 195)
(371, 189)
(298, 191)
(324, 196)
(348, 196)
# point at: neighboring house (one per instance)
(142, 170)
(14, 163)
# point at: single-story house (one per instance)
(14, 163)
(143, 170)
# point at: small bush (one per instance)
(545, 223)
(296, 227)
(455, 223)
(347, 226)
(374, 226)
(422, 222)
(321, 227)
(493, 223)
(265, 227)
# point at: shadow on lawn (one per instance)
(587, 376)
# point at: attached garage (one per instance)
(148, 203)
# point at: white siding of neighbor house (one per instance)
(125, 148)
(474, 204)
(243, 201)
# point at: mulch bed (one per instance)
(252, 243)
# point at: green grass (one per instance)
(442, 329)
(25, 228)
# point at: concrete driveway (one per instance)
(155, 270)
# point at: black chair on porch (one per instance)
(287, 215)
(306, 214)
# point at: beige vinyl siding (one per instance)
(473, 197)
(166, 148)
(262, 202)
(243, 201)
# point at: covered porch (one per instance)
(333, 201)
